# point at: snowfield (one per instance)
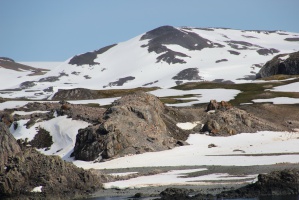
(233, 56)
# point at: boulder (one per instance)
(287, 64)
(133, 124)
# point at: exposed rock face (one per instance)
(88, 58)
(164, 35)
(188, 74)
(23, 168)
(276, 183)
(31, 169)
(8, 144)
(214, 105)
(134, 124)
(266, 52)
(228, 120)
(281, 64)
(121, 81)
(76, 93)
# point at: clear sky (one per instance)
(55, 30)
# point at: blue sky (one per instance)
(55, 30)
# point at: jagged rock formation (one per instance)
(281, 64)
(134, 124)
(23, 168)
(228, 120)
(283, 182)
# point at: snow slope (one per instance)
(161, 58)
(62, 129)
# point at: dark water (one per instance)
(292, 197)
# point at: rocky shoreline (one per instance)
(218, 189)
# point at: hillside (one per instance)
(164, 57)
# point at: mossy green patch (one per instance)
(249, 91)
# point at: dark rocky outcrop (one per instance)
(242, 45)
(221, 60)
(9, 63)
(88, 58)
(171, 35)
(266, 52)
(295, 39)
(165, 35)
(227, 120)
(285, 182)
(134, 124)
(27, 84)
(188, 74)
(23, 168)
(233, 52)
(74, 94)
(121, 81)
(281, 64)
(6, 59)
(183, 194)
(171, 57)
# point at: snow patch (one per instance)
(28, 113)
(37, 189)
(187, 125)
(278, 100)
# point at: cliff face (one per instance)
(281, 64)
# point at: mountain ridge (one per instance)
(159, 57)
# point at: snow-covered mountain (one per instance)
(163, 57)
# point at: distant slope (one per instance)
(12, 73)
(9, 63)
(165, 57)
